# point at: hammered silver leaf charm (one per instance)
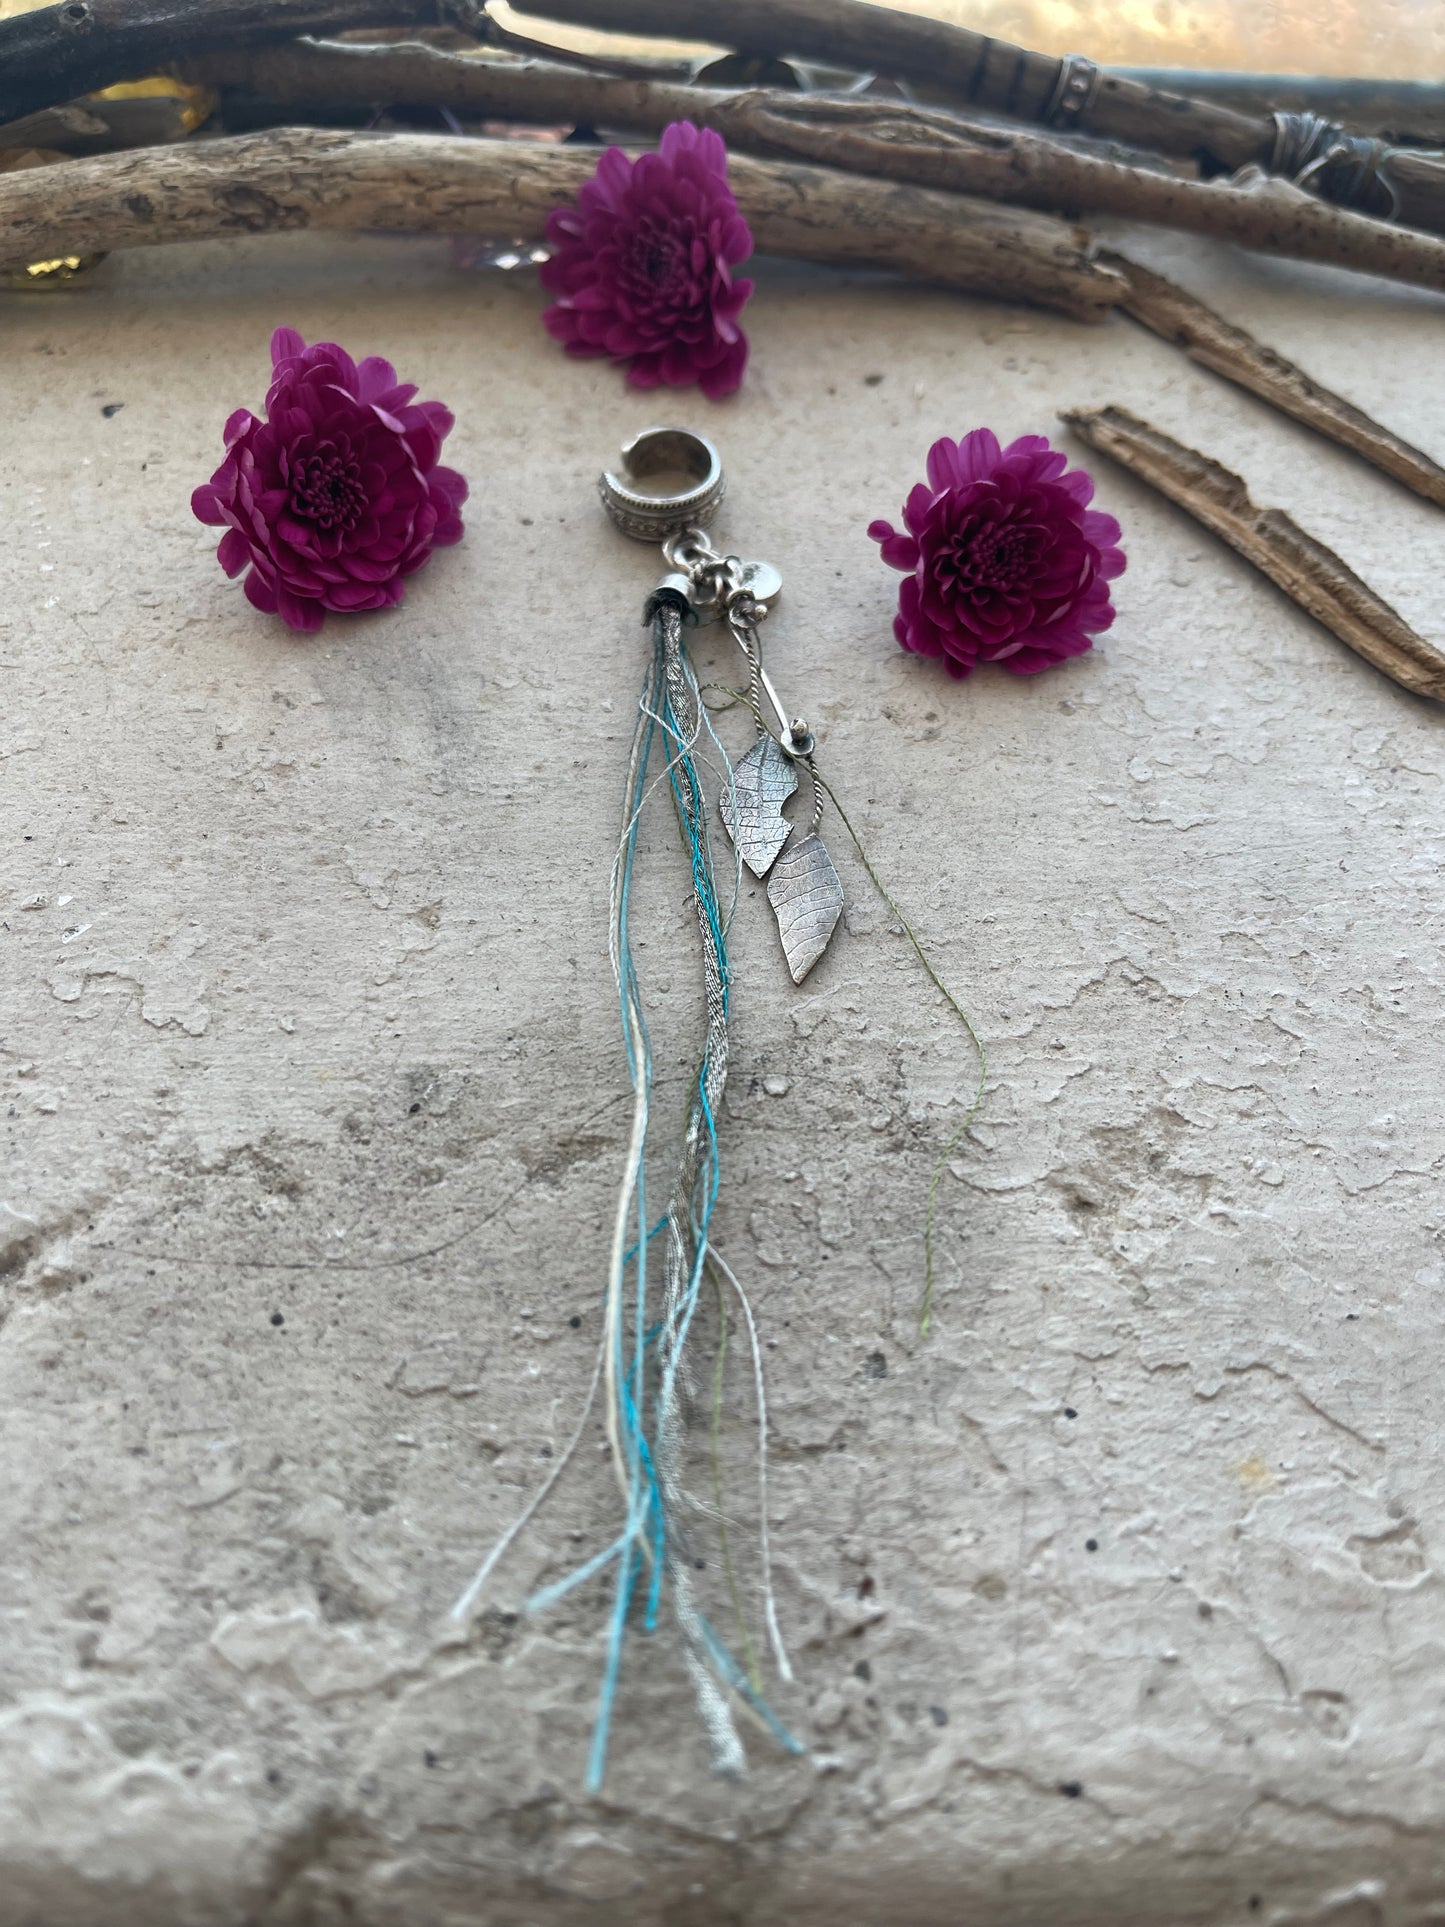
(752, 811)
(808, 899)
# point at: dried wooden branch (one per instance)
(883, 138)
(311, 178)
(60, 52)
(1217, 344)
(1309, 573)
(971, 66)
(1023, 86)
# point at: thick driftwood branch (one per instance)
(60, 52)
(1216, 343)
(971, 66)
(887, 138)
(1309, 573)
(309, 178)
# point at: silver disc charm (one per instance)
(762, 581)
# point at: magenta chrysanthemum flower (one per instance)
(337, 495)
(642, 266)
(1005, 560)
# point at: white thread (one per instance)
(484, 1572)
(770, 1611)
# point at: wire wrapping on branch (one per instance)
(1348, 169)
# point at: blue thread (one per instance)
(632, 1250)
(631, 1381)
(643, 1507)
(734, 1676)
(549, 1595)
(647, 1529)
(597, 1757)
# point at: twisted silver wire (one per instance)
(746, 633)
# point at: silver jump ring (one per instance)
(651, 517)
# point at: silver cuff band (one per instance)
(651, 517)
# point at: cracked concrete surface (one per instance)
(1117, 1599)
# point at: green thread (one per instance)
(755, 1674)
(925, 1319)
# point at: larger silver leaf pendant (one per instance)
(808, 899)
(752, 811)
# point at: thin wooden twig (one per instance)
(648, 68)
(1215, 343)
(306, 177)
(1407, 111)
(1311, 575)
(883, 138)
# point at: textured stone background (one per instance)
(1119, 1598)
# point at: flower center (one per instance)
(658, 264)
(658, 258)
(991, 556)
(326, 488)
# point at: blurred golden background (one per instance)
(1371, 39)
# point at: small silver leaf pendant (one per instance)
(752, 812)
(808, 899)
